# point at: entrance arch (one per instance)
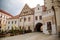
(38, 27)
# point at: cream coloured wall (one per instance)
(10, 25)
(3, 20)
(27, 23)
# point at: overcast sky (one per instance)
(15, 6)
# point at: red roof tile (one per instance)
(5, 12)
(44, 8)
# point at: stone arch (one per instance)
(38, 27)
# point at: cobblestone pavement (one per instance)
(32, 36)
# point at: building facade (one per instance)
(3, 18)
(46, 18)
(12, 23)
(55, 5)
(38, 19)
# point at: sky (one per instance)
(14, 7)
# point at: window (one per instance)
(15, 22)
(24, 19)
(38, 8)
(12, 22)
(8, 22)
(28, 18)
(0, 22)
(36, 18)
(49, 26)
(29, 28)
(40, 17)
(4, 16)
(0, 27)
(20, 27)
(1, 16)
(20, 20)
(8, 27)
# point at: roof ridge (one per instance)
(5, 12)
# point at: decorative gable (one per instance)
(26, 11)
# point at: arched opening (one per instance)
(38, 27)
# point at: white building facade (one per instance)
(38, 19)
(3, 19)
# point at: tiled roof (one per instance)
(13, 18)
(44, 8)
(5, 12)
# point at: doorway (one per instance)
(38, 27)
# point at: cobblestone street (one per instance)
(31, 36)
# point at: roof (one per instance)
(25, 10)
(4, 12)
(44, 8)
(13, 18)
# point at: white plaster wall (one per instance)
(53, 29)
(45, 29)
(27, 23)
(3, 20)
(10, 25)
(48, 13)
(38, 13)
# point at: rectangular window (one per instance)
(38, 8)
(24, 19)
(12, 22)
(20, 27)
(8, 27)
(49, 26)
(8, 22)
(15, 22)
(36, 18)
(0, 22)
(40, 17)
(0, 27)
(4, 16)
(28, 18)
(20, 20)
(1, 16)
